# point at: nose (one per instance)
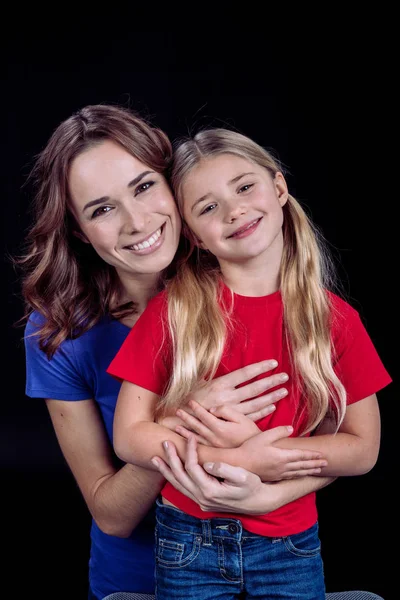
(133, 219)
(234, 209)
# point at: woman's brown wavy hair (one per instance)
(64, 279)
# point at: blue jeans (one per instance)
(216, 559)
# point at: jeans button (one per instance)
(232, 528)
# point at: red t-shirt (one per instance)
(145, 359)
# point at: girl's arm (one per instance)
(352, 451)
(223, 488)
(117, 498)
(137, 438)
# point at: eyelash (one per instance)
(248, 186)
(140, 189)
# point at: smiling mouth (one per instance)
(148, 242)
(245, 228)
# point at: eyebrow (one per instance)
(132, 183)
(231, 182)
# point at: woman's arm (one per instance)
(118, 499)
(224, 488)
(137, 439)
(352, 451)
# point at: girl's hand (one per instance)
(222, 427)
(223, 390)
(259, 455)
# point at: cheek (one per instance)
(101, 236)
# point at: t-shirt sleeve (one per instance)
(59, 377)
(145, 356)
(356, 360)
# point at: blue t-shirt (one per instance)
(76, 372)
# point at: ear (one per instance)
(81, 236)
(281, 188)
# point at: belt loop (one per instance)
(207, 535)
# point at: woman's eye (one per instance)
(245, 188)
(102, 210)
(208, 208)
(143, 187)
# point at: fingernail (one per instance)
(165, 444)
(155, 462)
(284, 377)
(208, 466)
(273, 363)
(290, 429)
(282, 392)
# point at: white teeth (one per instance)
(147, 243)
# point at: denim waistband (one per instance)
(216, 527)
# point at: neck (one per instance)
(138, 288)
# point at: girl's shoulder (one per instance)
(341, 308)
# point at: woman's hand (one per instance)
(224, 390)
(221, 427)
(217, 486)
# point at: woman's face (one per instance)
(124, 209)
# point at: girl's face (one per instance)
(234, 208)
(124, 209)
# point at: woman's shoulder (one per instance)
(106, 329)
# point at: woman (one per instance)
(105, 233)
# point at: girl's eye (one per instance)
(102, 210)
(208, 209)
(143, 187)
(245, 188)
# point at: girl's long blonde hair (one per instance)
(198, 321)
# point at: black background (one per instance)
(325, 102)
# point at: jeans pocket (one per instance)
(305, 544)
(176, 548)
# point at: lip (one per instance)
(246, 229)
(150, 249)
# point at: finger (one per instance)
(257, 416)
(187, 433)
(172, 468)
(210, 421)
(231, 380)
(232, 475)
(255, 388)
(202, 422)
(277, 433)
(296, 455)
(262, 403)
(306, 465)
(302, 473)
(192, 466)
(228, 413)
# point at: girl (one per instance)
(256, 287)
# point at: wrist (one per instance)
(211, 454)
